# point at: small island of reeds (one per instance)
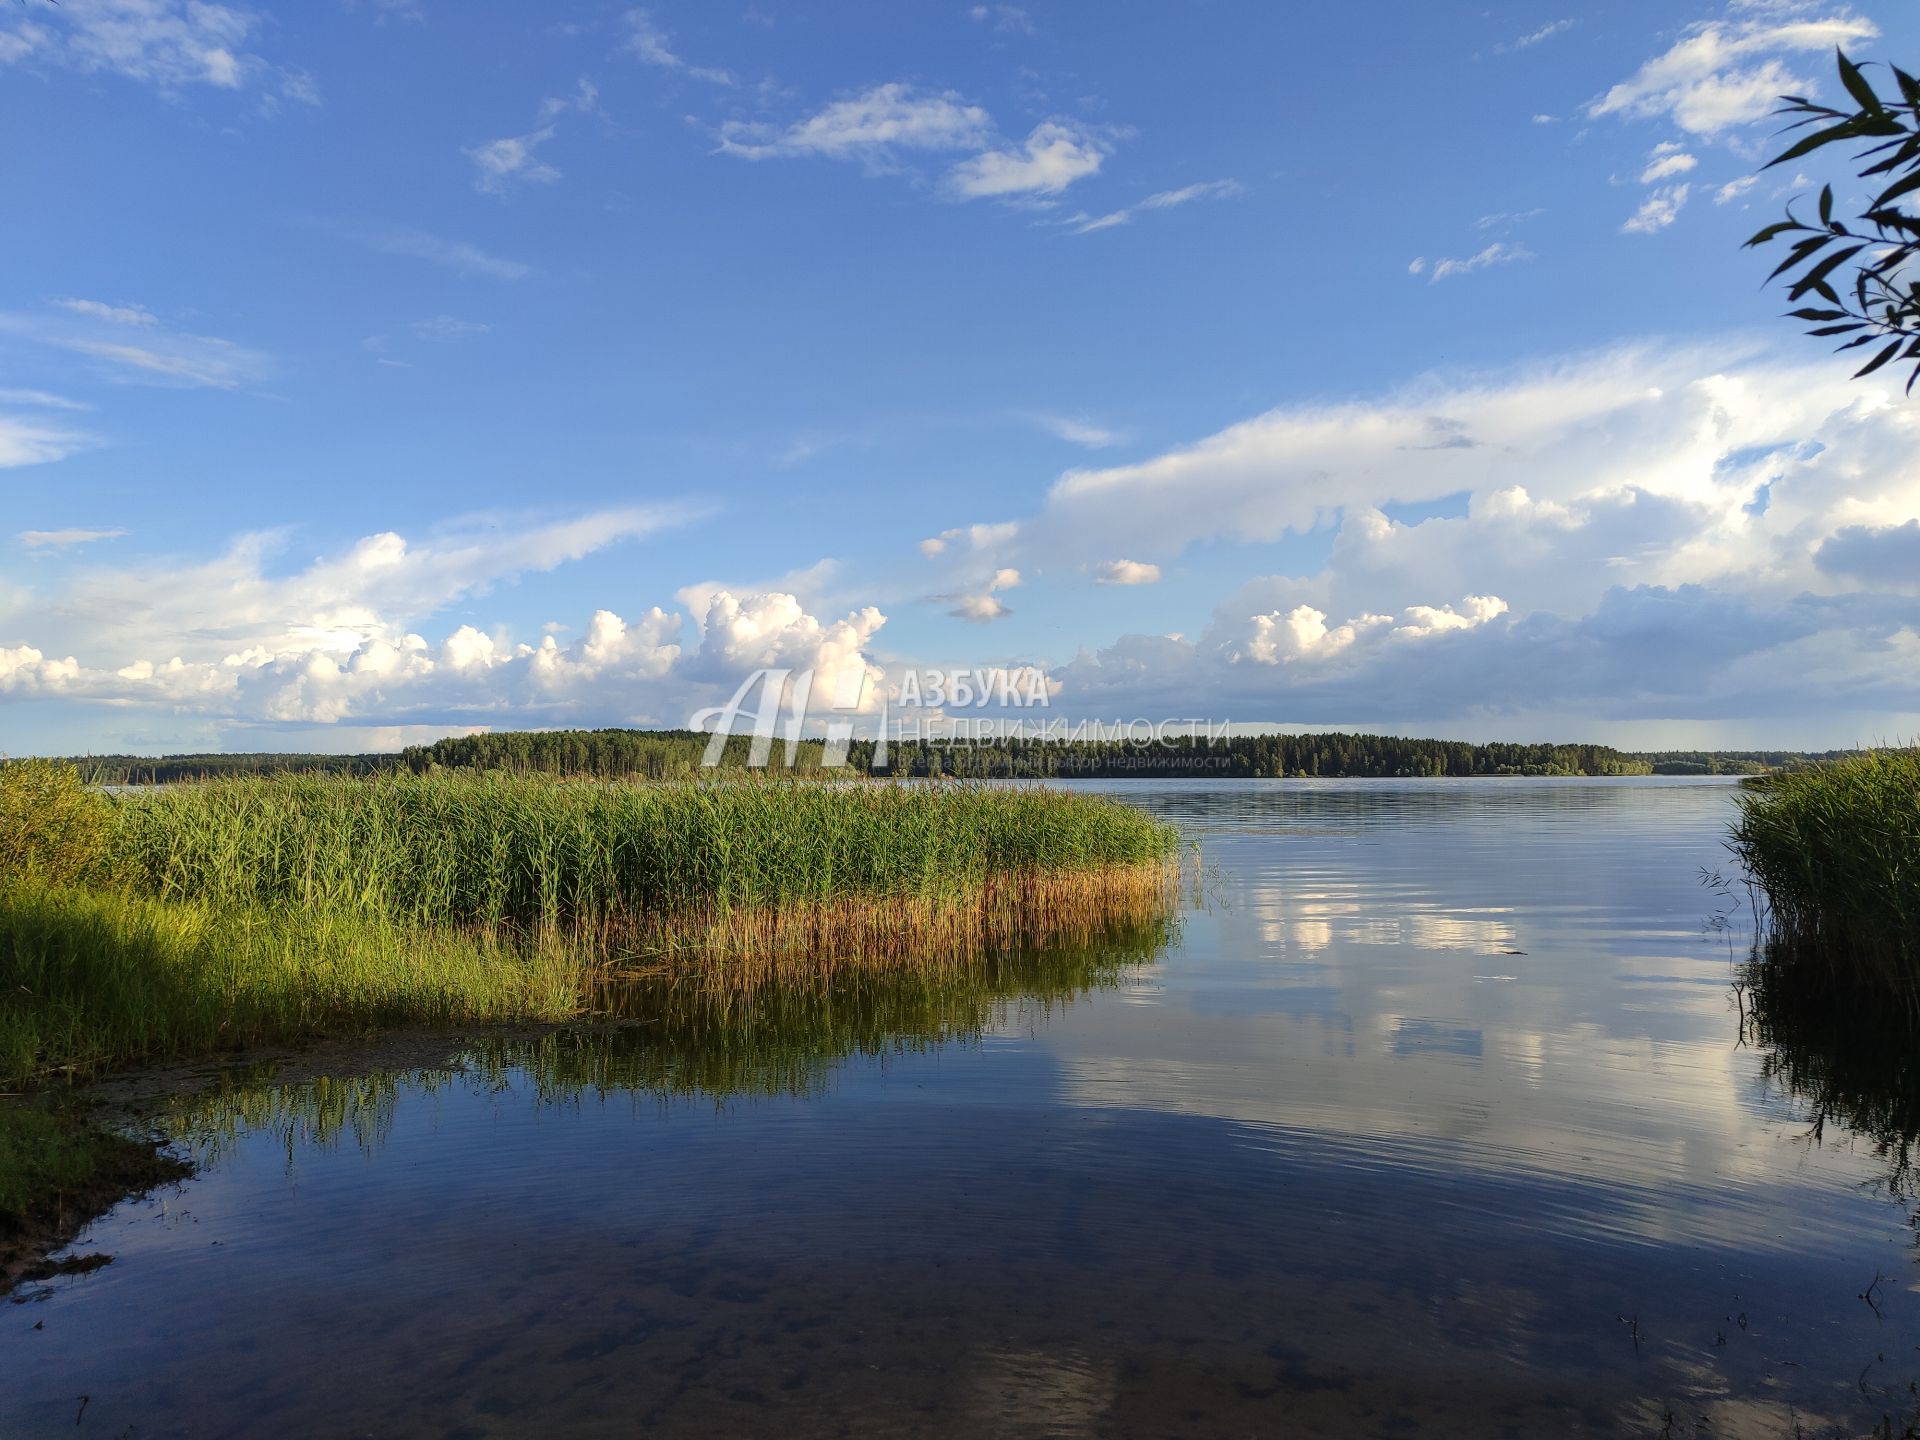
(191, 919)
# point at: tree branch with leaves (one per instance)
(1866, 269)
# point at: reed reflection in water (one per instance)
(716, 1035)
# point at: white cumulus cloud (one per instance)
(1722, 74)
(1128, 572)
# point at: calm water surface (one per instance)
(1431, 1115)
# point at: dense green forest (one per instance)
(164, 769)
(1736, 762)
(670, 754)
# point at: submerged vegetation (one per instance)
(1835, 852)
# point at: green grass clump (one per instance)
(1836, 851)
(52, 1167)
(92, 978)
(52, 827)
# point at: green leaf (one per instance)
(1882, 358)
(1816, 314)
(1847, 329)
(1826, 205)
(1857, 85)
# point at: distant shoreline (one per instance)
(678, 754)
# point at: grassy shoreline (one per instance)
(237, 913)
(1835, 852)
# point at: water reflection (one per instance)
(1436, 1118)
(1849, 1063)
(688, 1037)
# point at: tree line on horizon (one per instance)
(677, 754)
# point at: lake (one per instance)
(1435, 1111)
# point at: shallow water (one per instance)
(1434, 1114)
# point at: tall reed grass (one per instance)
(631, 867)
(93, 978)
(214, 915)
(1835, 851)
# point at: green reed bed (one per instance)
(213, 916)
(525, 855)
(1835, 851)
(95, 978)
(237, 911)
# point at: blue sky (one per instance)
(1251, 361)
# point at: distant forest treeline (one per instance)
(670, 754)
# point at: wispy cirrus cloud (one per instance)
(40, 400)
(648, 43)
(37, 442)
(132, 345)
(885, 128)
(1003, 19)
(1501, 252)
(64, 539)
(170, 45)
(1534, 37)
(460, 256)
(1077, 431)
(137, 315)
(445, 328)
(500, 166)
(35, 439)
(1161, 200)
(872, 128)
